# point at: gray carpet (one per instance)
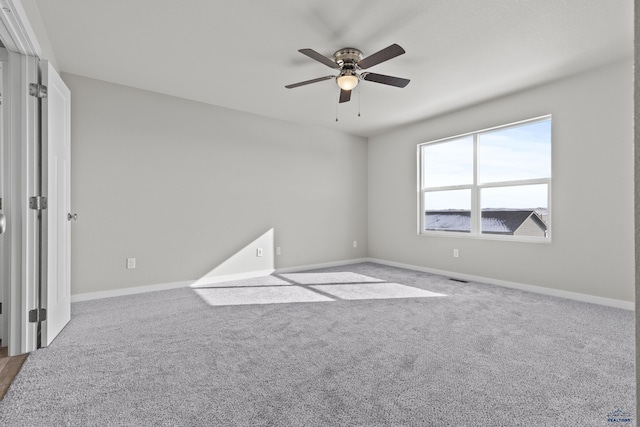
(481, 356)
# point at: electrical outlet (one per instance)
(131, 263)
(278, 251)
(259, 252)
(456, 253)
(355, 243)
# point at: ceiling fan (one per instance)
(349, 62)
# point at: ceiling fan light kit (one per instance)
(347, 81)
(350, 61)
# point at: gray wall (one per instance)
(181, 186)
(592, 251)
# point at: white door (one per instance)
(56, 149)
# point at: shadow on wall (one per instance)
(254, 260)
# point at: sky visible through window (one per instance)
(448, 163)
(510, 154)
(521, 152)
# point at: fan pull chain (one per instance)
(359, 99)
(337, 103)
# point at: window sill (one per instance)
(495, 237)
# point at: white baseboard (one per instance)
(627, 305)
(321, 265)
(129, 291)
(216, 279)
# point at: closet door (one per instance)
(56, 173)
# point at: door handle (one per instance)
(72, 216)
(3, 223)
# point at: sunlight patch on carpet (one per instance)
(259, 295)
(253, 281)
(306, 287)
(329, 278)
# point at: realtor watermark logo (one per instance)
(619, 417)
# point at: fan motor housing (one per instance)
(347, 55)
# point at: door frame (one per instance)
(4, 186)
(20, 144)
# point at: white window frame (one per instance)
(476, 188)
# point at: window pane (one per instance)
(447, 210)
(518, 210)
(448, 163)
(522, 152)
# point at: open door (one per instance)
(55, 285)
(30, 281)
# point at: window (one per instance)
(494, 183)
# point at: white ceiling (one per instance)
(239, 54)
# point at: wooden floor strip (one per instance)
(9, 368)
(3, 362)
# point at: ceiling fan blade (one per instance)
(308, 82)
(387, 80)
(345, 95)
(383, 55)
(320, 58)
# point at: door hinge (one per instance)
(37, 315)
(38, 203)
(38, 90)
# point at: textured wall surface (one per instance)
(182, 186)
